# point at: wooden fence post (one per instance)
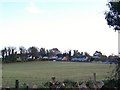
(94, 76)
(16, 84)
(27, 87)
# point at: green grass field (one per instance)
(41, 71)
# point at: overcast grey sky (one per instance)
(65, 24)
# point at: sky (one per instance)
(62, 24)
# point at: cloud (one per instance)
(32, 8)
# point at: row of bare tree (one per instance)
(11, 54)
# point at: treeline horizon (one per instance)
(62, 51)
(11, 54)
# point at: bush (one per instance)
(111, 83)
(69, 83)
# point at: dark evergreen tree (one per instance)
(33, 52)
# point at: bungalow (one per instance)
(80, 59)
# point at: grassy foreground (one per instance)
(41, 71)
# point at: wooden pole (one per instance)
(1, 76)
(27, 87)
(16, 84)
(119, 44)
(118, 54)
(94, 76)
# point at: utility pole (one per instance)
(1, 67)
(119, 44)
(119, 54)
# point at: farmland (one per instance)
(41, 71)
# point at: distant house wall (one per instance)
(65, 58)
